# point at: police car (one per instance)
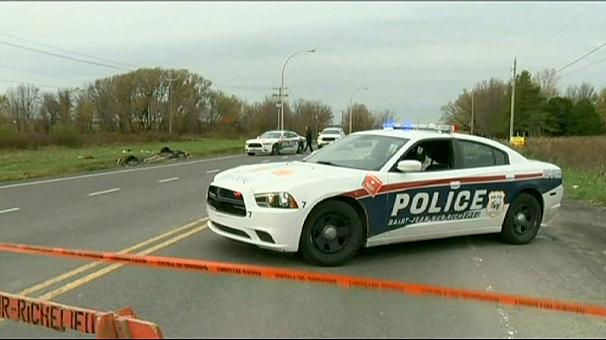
(329, 135)
(378, 187)
(275, 142)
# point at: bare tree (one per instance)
(65, 100)
(49, 110)
(22, 101)
(547, 79)
(582, 92)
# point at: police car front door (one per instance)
(441, 200)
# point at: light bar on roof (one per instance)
(391, 125)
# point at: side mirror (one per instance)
(409, 166)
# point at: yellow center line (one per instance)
(84, 280)
(89, 266)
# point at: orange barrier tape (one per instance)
(123, 325)
(302, 276)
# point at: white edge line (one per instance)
(168, 179)
(213, 171)
(16, 185)
(9, 210)
(103, 192)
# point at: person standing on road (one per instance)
(308, 137)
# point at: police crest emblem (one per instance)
(496, 203)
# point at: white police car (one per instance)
(378, 187)
(275, 142)
(329, 135)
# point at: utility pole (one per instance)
(472, 112)
(278, 105)
(170, 104)
(513, 99)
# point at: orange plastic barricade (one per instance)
(106, 325)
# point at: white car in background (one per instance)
(275, 142)
(385, 186)
(329, 135)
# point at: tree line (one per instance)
(540, 107)
(144, 100)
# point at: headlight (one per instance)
(267, 143)
(276, 200)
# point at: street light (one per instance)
(282, 86)
(351, 107)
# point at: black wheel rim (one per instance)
(330, 233)
(524, 220)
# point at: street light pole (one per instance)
(282, 85)
(351, 107)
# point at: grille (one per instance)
(226, 201)
(255, 145)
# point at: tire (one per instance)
(344, 239)
(275, 149)
(300, 147)
(522, 221)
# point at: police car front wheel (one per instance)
(522, 221)
(332, 234)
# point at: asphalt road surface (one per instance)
(128, 210)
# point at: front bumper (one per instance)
(283, 226)
(265, 150)
(552, 202)
(324, 142)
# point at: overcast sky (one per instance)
(414, 57)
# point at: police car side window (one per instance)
(434, 155)
(476, 155)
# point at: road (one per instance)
(115, 211)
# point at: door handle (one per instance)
(455, 185)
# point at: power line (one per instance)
(244, 87)
(565, 25)
(37, 73)
(582, 57)
(22, 82)
(584, 67)
(61, 56)
(68, 51)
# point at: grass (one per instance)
(583, 162)
(53, 161)
(585, 186)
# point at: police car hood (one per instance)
(262, 140)
(280, 176)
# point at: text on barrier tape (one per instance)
(302, 276)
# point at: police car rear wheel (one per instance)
(332, 234)
(522, 221)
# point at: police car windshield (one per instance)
(271, 135)
(331, 131)
(364, 152)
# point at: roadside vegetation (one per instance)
(582, 159)
(48, 161)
